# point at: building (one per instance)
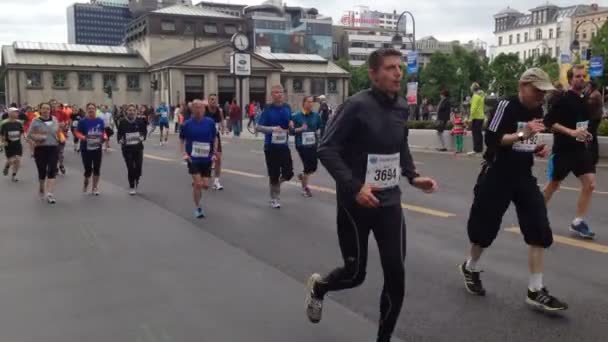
(278, 28)
(362, 16)
(97, 23)
(547, 29)
(226, 8)
(140, 7)
(37, 72)
(586, 26)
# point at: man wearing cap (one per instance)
(506, 176)
(11, 133)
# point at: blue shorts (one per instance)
(163, 124)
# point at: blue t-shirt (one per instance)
(199, 137)
(273, 116)
(313, 121)
(163, 111)
(93, 130)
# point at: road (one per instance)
(141, 268)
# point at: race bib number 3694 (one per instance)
(279, 138)
(383, 170)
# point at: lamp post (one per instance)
(397, 40)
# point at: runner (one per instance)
(64, 125)
(76, 117)
(306, 125)
(10, 137)
(132, 131)
(198, 144)
(364, 147)
(569, 121)
(91, 133)
(506, 177)
(108, 123)
(43, 135)
(163, 121)
(274, 122)
(217, 114)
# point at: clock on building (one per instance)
(240, 41)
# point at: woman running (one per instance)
(132, 131)
(91, 133)
(44, 137)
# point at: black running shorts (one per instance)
(202, 169)
(561, 164)
(309, 159)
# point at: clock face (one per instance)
(241, 42)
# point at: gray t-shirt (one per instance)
(48, 127)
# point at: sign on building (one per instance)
(240, 64)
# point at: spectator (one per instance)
(236, 117)
(443, 116)
(596, 111)
(325, 111)
(425, 109)
(477, 118)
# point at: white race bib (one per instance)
(200, 149)
(74, 124)
(133, 138)
(309, 138)
(279, 138)
(528, 145)
(383, 170)
(14, 135)
(93, 143)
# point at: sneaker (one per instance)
(442, 149)
(275, 204)
(5, 171)
(314, 305)
(132, 192)
(50, 198)
(62, 169)
(198, 213)
(543, 300)
(472, 153)
(217, 185)
(95, 192)
(472, 281)
(306, 192)
(583, 230)
(14, 178)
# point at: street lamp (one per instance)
(397, 39)
(575, 46)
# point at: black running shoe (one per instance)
(472, 281)
(543, 300)
(62, 169)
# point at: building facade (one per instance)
(364, 17)
(546, 30)
(140, 7)
(226, 8)
(587, 25)
(97, 23)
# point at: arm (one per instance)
(261, 126)
(408, 169)
(222, 122)
(120, 133)
(182, 142)
(143, 129)
(78, 131)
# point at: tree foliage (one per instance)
(599, 47)
(505, 71)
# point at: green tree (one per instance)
(437, 75)
(599, 47)
(359, 79)
(505, 71)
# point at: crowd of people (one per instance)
(364, 147)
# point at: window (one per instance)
(510, 39)
(525, 36)
(109, 79)
(518, 38)
(230, 29)
(210, 28)
(188, 28)
(332, 86)
(539, 34)
(167, 26)
(499, 41)
(85, 81)
(550, 52)
(524, 54)
(557, 51)
(298, 85)
(584, 34)
(33, 79)
(133, 82)
(550, 33)
(317, 86)
(60, 80)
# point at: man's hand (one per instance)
(580, 134)
(426, 184)
(186, 157)
(542, 151)
(278, 129)
(214, 157)
(366, 198)
(534, 127)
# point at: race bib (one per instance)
(383, 170)
(93, 143)
(74, 124)
(200, 149)
(309, 138)
(133, 138)
(279, 138)
(14, 135)
(528, 145)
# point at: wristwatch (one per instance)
(520, 136)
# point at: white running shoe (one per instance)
(217, 185)
(314, 306)
(50, 198)
(275, 204)
(132, 192)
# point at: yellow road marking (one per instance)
(149, 156)
(592, 246)
(240, 173)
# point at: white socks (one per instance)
(577, 221)
(536, 281)
(471, 265)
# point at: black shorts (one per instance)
(109, 131)
(219, 142)
(13, 151)
(202, 169)
(278, 163)
(309, 159)
(561, 164)
(494, 192)
(163, 124)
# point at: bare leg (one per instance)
(85, 186)
(16, 164)
(50, 185)
(218, 165)
(550, 189)
(474, 256)
(96, 182)
(584, 199)
(305, 178)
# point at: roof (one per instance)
(291, 57)
(193, 11)
(73, 48)
(13, 56)
(561, 13)
(218, 4)
(508, 10)
(328, 68)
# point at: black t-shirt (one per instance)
(568, 110)
(214, 115)
(75, 117)
(510, 117)
(11, 133)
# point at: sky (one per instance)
(464, 20)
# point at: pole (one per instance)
(241, 99)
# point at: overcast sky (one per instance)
(464, 20)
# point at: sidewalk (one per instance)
(119, 268)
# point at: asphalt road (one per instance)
(141, 269)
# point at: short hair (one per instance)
(445, 93)
(276, 86)
(212, 95)
(306, 98)
(570, 73)
(90, 104)
(376, 58)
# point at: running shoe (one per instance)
(275, 204)
(62, 169)
(543, 300)
(306, 192)
(217, 185)
(472, 281)
(132, 192)
(50, 198)
(5, 170)
(314, 305)
(95, 192)
(198, 213)
(583, 230)
(14, 178)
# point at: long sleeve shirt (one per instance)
(131, 134)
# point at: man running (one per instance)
(365, 149)
(64, 126)
(569, 121)
(274, 122)
(506, 177)
(163, 122)
(306, 125)
(198, 143)
(108, 123)
(10, 137)
(132, 131)
(76, 116)
(216, 113)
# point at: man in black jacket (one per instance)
(365, 149)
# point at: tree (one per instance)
(359, 79)
(599, 47)
(505, 71)
(437, 75)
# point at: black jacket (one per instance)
(137, 126)
(367, 123)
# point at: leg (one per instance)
(197, 189)
(557, 170)
(389, 231)
(61, 155)
(138, 164)
(51, 172)
(16, 164)
(286, 164)
(96, 169)
(550, 189)
(274, 172)
(478, 136)
(128, 157)
(41, 160)
(584, 199)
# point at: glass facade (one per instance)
(304, 37)
(100, 25)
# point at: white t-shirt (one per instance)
(107, 119)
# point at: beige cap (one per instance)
(538, 78)
(13, 109)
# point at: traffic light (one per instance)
(108, 90)
(588, 57)
(154, 84)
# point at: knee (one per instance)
(589, 186)
(354, 273)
